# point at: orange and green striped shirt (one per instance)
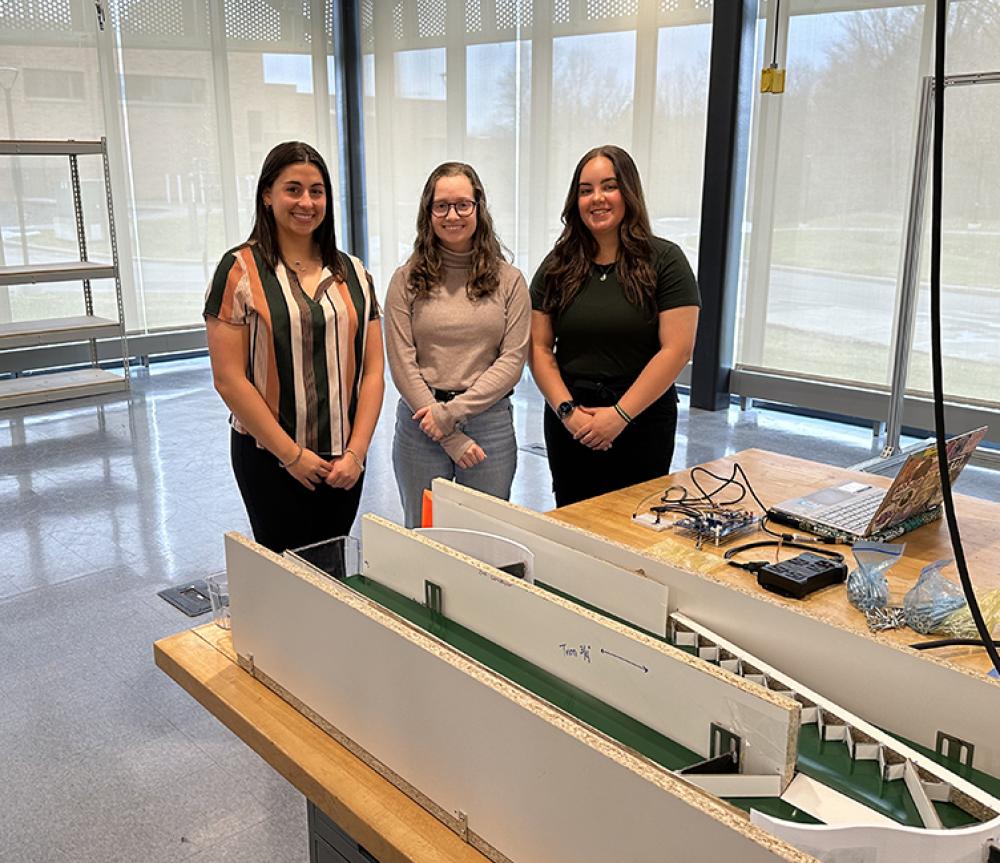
(306, 354)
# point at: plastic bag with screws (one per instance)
(867, 586)
(932, 599)
(959, 623)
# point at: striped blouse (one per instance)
(305, 354)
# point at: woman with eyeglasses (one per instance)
(614, 315)
(296, 347)
(457, 324)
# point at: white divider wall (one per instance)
(655, 683)
(534, 785)
(621, 591)
(912, 694)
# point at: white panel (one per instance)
(786, 637)
(617, 589)
(539, 789)
(883, 844)
(650, 681)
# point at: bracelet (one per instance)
(622, 413)
(298, 455)
(354, 455)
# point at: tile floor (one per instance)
(104, 502)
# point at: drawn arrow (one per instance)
(623, 659)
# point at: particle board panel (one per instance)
(659, 685)
(816, 641)
(522, 780)
(617, 588)
(369, 807)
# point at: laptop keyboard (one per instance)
(853, 515)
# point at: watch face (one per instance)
(565, 409)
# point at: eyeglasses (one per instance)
(440, 209)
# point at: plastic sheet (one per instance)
(932, 599)
(867, 585)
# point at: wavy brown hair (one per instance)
(570, 263)
(426, 269)
(265, 232)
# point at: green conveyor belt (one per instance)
(828, 762)
(573, 700)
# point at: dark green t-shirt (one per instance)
(602, 336)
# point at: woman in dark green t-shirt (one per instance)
(614, 314)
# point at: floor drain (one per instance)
(191, 598)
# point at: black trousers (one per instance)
(641, 452)
(283, 512)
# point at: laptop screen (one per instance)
(917, 486)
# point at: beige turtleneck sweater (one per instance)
(446, 341)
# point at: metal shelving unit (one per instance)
(88, 327)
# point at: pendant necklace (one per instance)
(604, 269)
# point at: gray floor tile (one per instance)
(279, 839)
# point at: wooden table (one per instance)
(371, 810)
(394, 828)
(779, 477)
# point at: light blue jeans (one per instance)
(417, 459)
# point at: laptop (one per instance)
(854, 511)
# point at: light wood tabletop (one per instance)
(374, 812)
(778, 477)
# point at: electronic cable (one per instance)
(753, 565)
(940, 34)
(794, 537)
(951, 642)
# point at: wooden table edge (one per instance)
(367, 806)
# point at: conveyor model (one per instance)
(586, 714)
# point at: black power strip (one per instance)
(799, 576)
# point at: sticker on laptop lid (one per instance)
(853, 487)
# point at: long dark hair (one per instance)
(570, 262)
(265, 232)
(487, 252)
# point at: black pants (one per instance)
(641, 452)
(283, 512)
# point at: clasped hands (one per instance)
(473, 453)
(341, 471)
(595, 428)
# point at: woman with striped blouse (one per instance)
(296, 347)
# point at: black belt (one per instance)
(448, 395)
(445, 395)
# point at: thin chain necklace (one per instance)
(604, 269)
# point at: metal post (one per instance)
(350, 120)
(910, 275)
(727, 139)
(113, 236)
(81, 244)
(902, 337)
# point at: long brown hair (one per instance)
(570, 262)
(487, 252)
(265, 232)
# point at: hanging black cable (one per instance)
(940, 32)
